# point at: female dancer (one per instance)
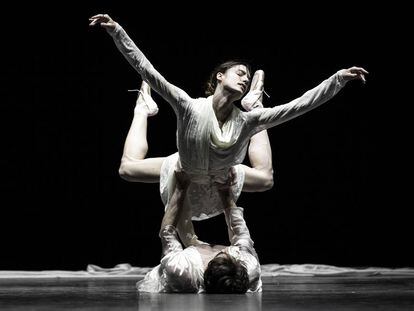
(213, 134)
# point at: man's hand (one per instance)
(225, 190)
(104, 20)
(353, 73)
(182, 180)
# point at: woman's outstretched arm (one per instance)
(172, 94)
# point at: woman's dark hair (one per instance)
(212, 81)
(225, 275)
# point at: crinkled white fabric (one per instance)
(183, 270)
(207, 152)
(202, 195)
(151, 283)
(268, 270)
(179, 271)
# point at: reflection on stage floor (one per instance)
(279, 293)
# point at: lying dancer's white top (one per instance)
(206, 152)
(182, 270)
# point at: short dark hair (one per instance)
(223, 67)
(225, 275)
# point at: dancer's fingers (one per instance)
(109, 25)
(364, 71)
(97, 16)
(359, 69)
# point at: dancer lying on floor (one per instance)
(204, 267)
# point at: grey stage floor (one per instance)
(279, 293)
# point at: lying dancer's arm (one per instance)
(172, 94)
(172, 215)
(239, 236)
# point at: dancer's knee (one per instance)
(124, 171)
(141, 170)
(267, 181)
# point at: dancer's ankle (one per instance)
(141, 110)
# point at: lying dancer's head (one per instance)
(225, 275)
(232, 75)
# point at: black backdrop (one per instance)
(341, 194)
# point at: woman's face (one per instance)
(235, 79)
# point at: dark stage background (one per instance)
(342, 180)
